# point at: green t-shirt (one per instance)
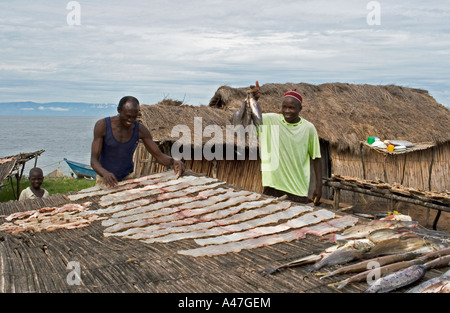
(286, 150)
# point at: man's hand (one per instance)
(110, 180)
(317, 194)
(178, 167)
(254, 91)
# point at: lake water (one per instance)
(60, 136)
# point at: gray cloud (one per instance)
(187, 49)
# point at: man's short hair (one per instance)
(126, 99)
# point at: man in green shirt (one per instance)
(288, 144)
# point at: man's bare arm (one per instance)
(154, 150)
(317, 194)
(96, 150)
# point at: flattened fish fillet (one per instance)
(307, 219)
(322, 228)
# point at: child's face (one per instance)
(36, 180)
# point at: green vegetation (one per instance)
(53, 186)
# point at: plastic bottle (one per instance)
(390, 147)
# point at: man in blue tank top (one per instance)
(116, 139)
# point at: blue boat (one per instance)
(81, 170)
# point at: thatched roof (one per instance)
(161, 119)
(346, 114)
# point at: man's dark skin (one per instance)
(290, 108)
(122, 127)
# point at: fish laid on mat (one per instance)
(98, 190)
(210, 224)
(303, 220)
(398, 279)
(351, 251)
(362, 231)
(303, 260)
(207, 225)
(323, 228)
(440, 284)
(123, 207)
(101, 190)
(393, 267)
(69, 216)
(238, 222)
(209, 205)
(167, 207)
(151, 190)
(403, 244)
(362, 266)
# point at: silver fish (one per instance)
(362, 266)
(337, 257)
(255, 111)
(250, 111)
(398, 279)
(238, 116)
(301, 261)
(432, 285)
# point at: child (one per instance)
(34, 191)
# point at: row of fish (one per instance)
(220, 219)
(389, 254)
(68, 216)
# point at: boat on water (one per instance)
(81, 170)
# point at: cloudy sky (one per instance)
(185, 50)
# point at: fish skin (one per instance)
(301, 261)
(363, 231)
(439, 262)
(238, 116)
(398, 279)
(397, 245)
(250, 111)
(337, 257)
(431, 284)
(255, 111)
(362, 266)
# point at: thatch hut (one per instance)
(344, 115)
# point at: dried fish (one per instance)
(401, 245)
(338, 257)
(391, 268)
(301, 261)
(69, 216)
(362, 266)
(303, 220)
(351, 250)
(205, 206)
(250, 111)
(235, 223)
(363, 231)
(439, 262)
(150, 190)
(437, 284)
(398, 279)
(322, 228)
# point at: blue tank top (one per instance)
(116, 156)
